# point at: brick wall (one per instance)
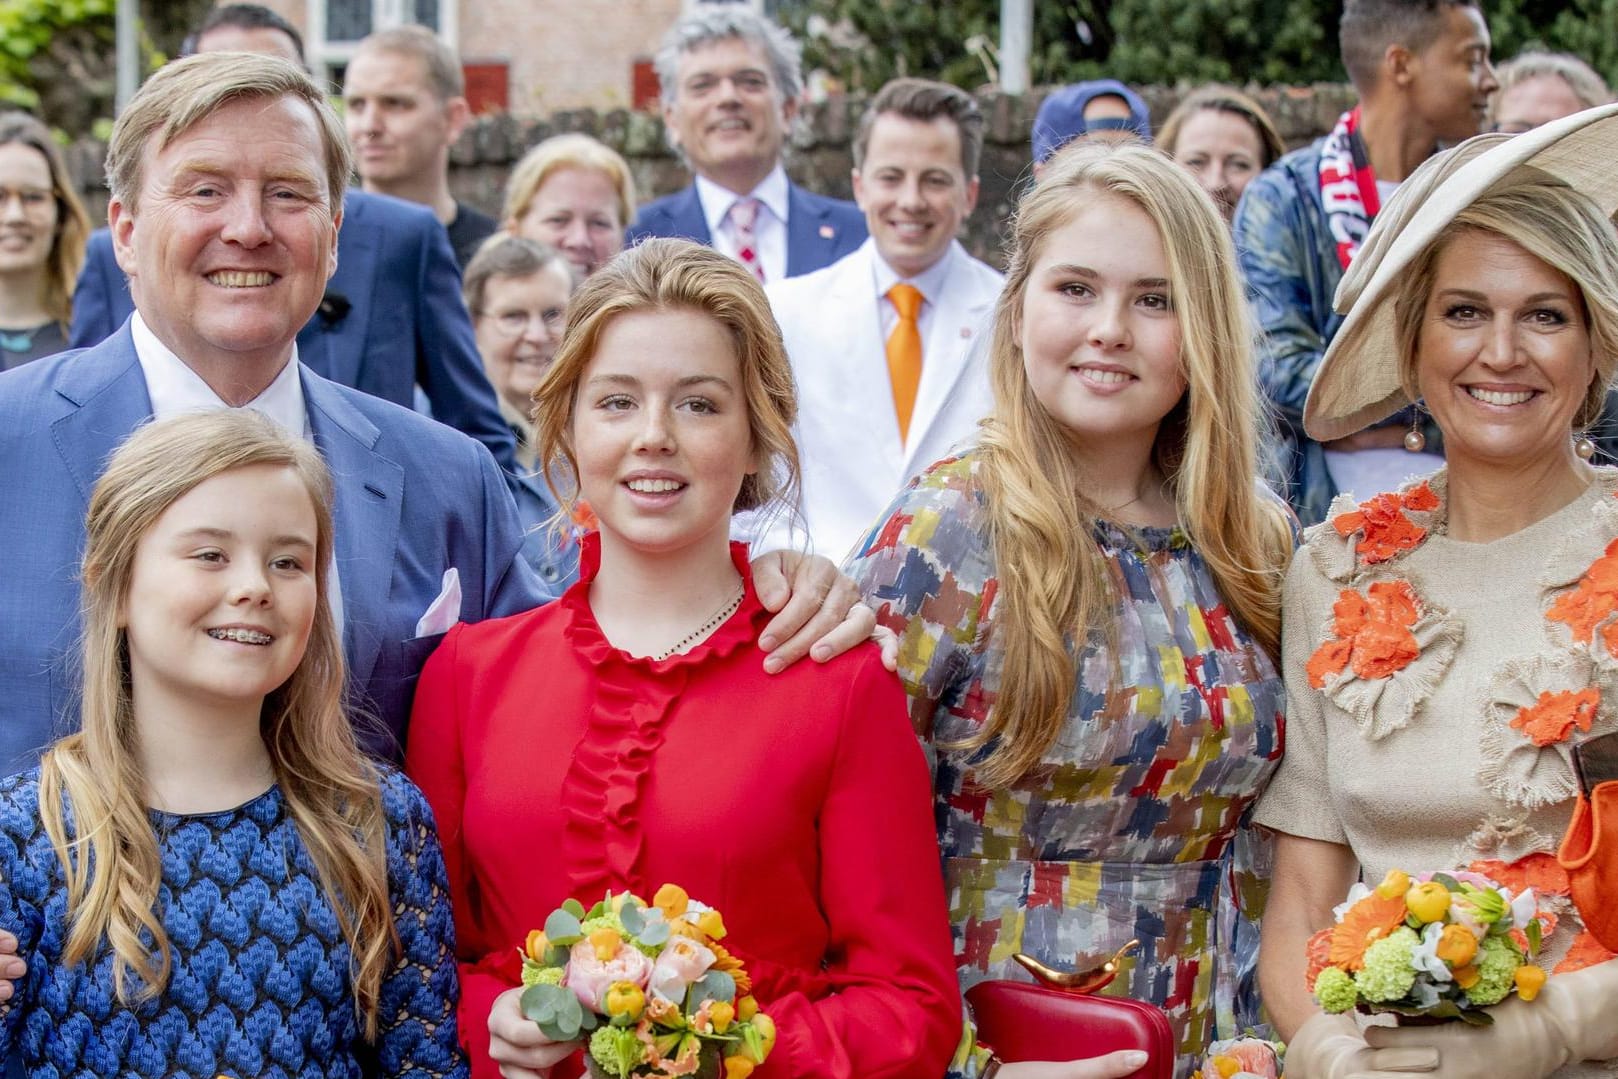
(820, 158)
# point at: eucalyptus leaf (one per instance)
(654, 934)
(556, 955)
(1447, 881)
(575, 908)
(563, 928)
(714, 985)
(632, 920)
(549, 1006)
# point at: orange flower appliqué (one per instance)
(1592, 601)
(1384, 529)
(1366, 922)
(1318, 954)
(1541, 872)
(1586, 951)
(1549, 719)
(1371, 634)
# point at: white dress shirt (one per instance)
(175, 390)
(769, 231)
(930, 283)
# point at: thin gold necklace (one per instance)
(695, 635)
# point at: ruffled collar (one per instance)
(583, 631)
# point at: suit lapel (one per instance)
(107, 385)
(336, 349)
(369, 501)
(811, 236)
(961, 316)
(689, 220)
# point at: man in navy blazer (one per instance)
(730, 85)
(392, 315)
(228, 232)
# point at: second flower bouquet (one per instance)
(650, 987)
(1443, 946)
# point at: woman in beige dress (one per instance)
(1447, 645)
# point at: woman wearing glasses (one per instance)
(517, 292)
(42, 235)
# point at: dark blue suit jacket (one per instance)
(413, 498)
(819, 230)
(405, 322)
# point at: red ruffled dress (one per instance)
(796, 803)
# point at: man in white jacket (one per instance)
(885, 342)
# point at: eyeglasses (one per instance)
(514, 323)
(34, 201)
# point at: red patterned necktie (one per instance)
(743, 216)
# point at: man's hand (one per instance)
(818, 612)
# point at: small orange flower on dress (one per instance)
(1591, 602)
(1384, 528)
(1549, 719)
(1585, 952)
(1371, 634)
(1541, 872)
(1365, 923)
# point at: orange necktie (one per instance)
(904, 353)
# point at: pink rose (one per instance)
(589, 977)
(1250, 1057)
(681, 962)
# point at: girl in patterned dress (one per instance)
(208, 879)
(1088, 608)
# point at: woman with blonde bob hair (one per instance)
(627, 736)
(1488, 292)
(1088, 604)
(209, 872)
(575, 194)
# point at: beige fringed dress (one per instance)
(1436, 689)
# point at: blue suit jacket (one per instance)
(819, 230)
(406, 322)
(413, 498)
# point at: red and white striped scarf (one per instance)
(1348, 186)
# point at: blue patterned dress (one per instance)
(1130, 827)
(260, 982)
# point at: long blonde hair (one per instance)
(110, 854)
(1055, 590)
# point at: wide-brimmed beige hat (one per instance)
(1358, 380)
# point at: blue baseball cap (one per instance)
(1061, 115)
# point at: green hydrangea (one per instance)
(533, 974)
(1335, 990)
(1498, 959)
(607, 920)
(1388, 973)
(616, 1049)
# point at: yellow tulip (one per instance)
(671, 900)
(738, 1067)
(1530, 980)
(746, 1008)
(536, 946)
(1428, 901)
(711, 924)
(1457, 946)
(722, 1014)
(606, 943)
(1466, 977)
(766, 1032)
(1395, 884)
(624, 1000)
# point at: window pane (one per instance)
(427, 14)
(347, 20)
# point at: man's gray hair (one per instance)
(186, 92)
(708, 24)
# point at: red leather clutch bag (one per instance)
(1022, 1022)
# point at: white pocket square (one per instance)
(444, 611)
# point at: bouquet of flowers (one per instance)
(1246, 1057)
(1441, 946)
(649, 985)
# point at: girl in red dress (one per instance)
(627, 735)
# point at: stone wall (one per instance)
(820, 159)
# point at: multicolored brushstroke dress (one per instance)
(1131, 826)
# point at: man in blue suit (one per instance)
(227, 230)
(391, 316)
(730, 84)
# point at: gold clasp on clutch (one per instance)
(1091, 980)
